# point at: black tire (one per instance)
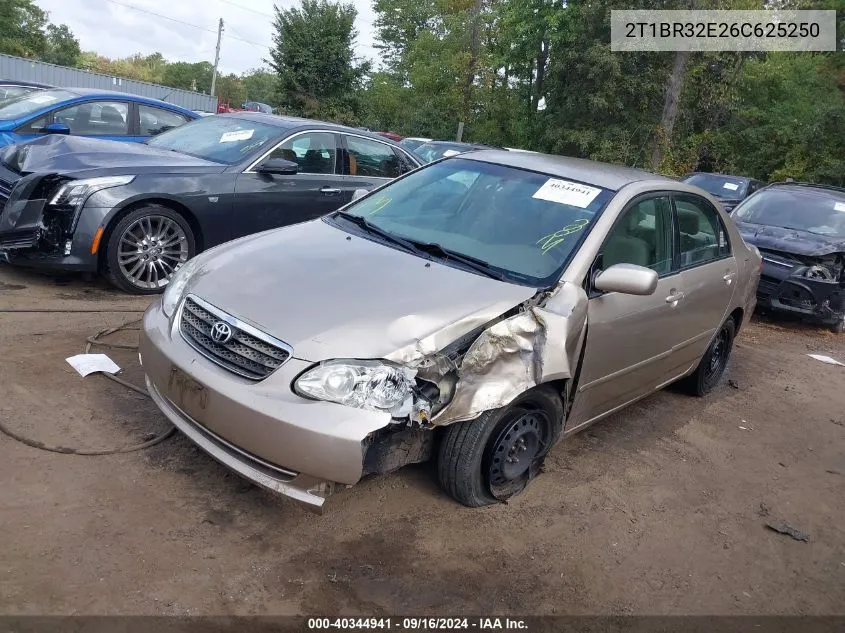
(465, 463)
(712, 366)
(838, 328)
(118, 276)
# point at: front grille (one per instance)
(250, 354)
(768, 286)
(5, 192)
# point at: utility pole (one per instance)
(216, 56)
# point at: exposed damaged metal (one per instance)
(491, 365)
(29, 221)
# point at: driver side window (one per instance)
(314, 152)
(643, 236)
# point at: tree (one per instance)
(313, 58)
(62, 47)
(261, 85)
(22, 28)
(187, 76)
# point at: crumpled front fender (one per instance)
(539, 344)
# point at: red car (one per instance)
(391, 135)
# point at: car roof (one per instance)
(836, 192)
(459, 144)
(292, 123)
(28, 84)
(713, 173)
(603, 175)
(89, 92)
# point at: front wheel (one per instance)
(493, 457)
(146, 247)
(712, 366)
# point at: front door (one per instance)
(268, 201)
(630, 338)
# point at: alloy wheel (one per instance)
(151, 249)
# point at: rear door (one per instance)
(267, 201)
(630, 338)
(708, 272)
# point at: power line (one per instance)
(166, 17)
(240, 6)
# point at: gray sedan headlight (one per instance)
(176, 286)
(75, 192)
(364, 384)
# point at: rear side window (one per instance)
(96, 118)
(157, 120)
(371, 158)
(405, 163)
(702, 235)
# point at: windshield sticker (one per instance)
(565, 192)
(553, 239)
(730, 186)
(450, 152)
(236, 135)
(839, 206)
(42, 99)
(380, 203)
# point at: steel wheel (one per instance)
(718, 357)
(150, 250)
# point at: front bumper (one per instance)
(262, 430)
(815, 300)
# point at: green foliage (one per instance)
(261, 85)
(62, 47)
(22, 26)
(314, 60)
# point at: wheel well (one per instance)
(164, 202)
(737, 315)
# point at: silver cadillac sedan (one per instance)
(473, 312)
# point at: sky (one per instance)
(114, 29)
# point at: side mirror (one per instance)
(56, 128)
(278, 166)
(628, 279)
(359, 193)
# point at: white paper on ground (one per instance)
(826, 359)
(236, 135)
(564, 192)
(731, 186)
(90, 363)
(838, 206)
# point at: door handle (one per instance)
(674, 297)
(729, 277)
(329, 190)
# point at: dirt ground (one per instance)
(658, 510)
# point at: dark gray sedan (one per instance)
(136, 212)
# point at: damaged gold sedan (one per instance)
(473, 312)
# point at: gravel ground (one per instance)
(661, 509)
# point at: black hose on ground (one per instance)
(90, 342)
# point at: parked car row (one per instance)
(800, 230)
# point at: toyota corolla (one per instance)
(473, 312)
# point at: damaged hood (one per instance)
(793, 241)
(332, 294)
(87, 157)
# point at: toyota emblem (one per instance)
(221, 332)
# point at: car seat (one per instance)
(115, 123)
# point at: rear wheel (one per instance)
(493, 457)
(712, 366)
(146, 247)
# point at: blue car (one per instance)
(85, 112)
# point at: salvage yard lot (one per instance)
(658, 510)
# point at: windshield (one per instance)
(720, 186)
(221, 139)
(523, 224)
(32, 102)
(430, 152)
(812, 210)
(411, 144)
